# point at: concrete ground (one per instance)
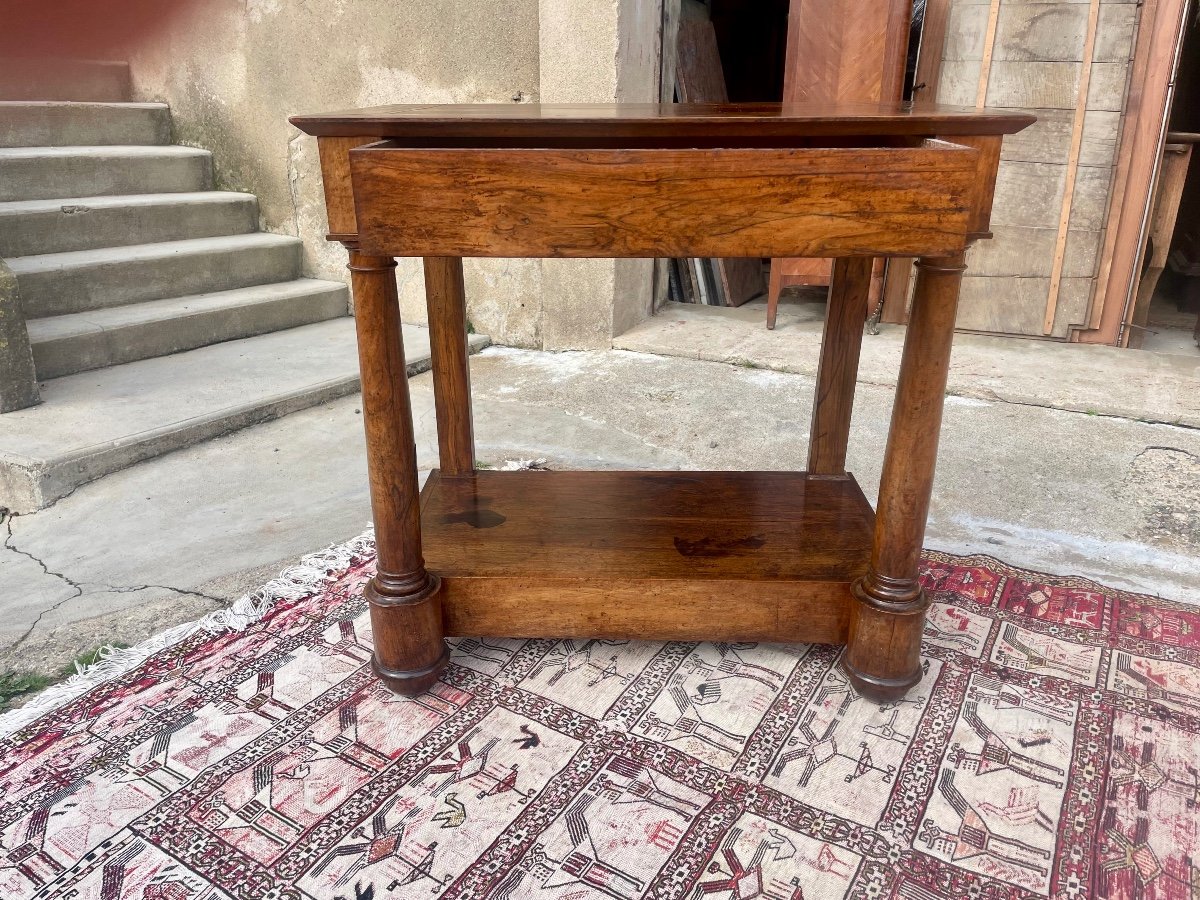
(1093, 489)
(1147, 387)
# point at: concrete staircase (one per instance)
(157, 314)
(122, 250)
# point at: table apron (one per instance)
(823, 202)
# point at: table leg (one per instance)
(774, 287)
(833, 402)
(446, 300)
(405, 601)
(888, 614)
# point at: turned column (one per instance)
(406, 613)
(888, 612)
(837, 371)
(446, 301)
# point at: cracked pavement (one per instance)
(74, 589)
(172, 539)
(54, 598)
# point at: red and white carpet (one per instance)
(1053, 749)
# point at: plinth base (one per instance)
(749, 556)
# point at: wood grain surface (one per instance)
(648, 525)
(846, 50)
(536, 123)
(837, 371)
(403, 596)
(899, 274)
(883, 653)
(666, 555)
(646, 203)
(335, 179)
(906, 483)
(446, 304)
(699, 78)
(661, 610)
(987, 165)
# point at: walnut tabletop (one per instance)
(773, 556)
(669, 122)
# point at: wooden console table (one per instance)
(756, 556)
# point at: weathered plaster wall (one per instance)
(1036, 65)
(597, 51)
(233, 70)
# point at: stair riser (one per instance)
(64, 79)
(45, 178)
(82, 126)
(80, 353)
(56, 293)
(178, 401)
(89, 228)
(26, 489)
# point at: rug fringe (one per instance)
(520, 465)
(312, 572)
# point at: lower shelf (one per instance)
(764, 556)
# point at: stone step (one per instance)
(29, 227)
(94, 423)
(56, 123)
(56, 284)
(37, 173)
(39, 78)
(64, 345)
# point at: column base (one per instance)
(406, 625)
(883, 652)
(411, 682)
(881, 690)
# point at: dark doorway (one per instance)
(752, 37)
(1173, 323)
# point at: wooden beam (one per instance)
(837, 372)
(989, 46)
(670, 50)
(1168, 193)
(929, 55)
(446, 302)
(1151, 88)
(1064, 213)
(897, 279)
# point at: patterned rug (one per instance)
(1053, 749)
